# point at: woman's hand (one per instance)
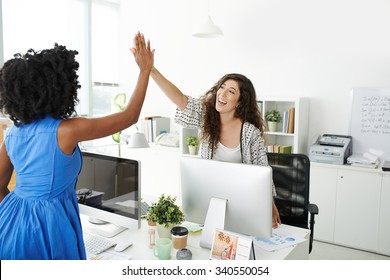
(275, 216)
(142, 52)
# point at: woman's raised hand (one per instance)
(143, 54)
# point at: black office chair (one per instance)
(291, 176)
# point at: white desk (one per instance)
(166, 177)
(140, 249)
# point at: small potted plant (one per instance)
(166, 213)
(120, 104)
(273, 117)
(192, 143)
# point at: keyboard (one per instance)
(95, 244)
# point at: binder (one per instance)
(290, 124)
(154, 126)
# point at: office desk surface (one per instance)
(140, 249)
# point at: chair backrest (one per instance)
(291, 176)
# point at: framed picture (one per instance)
(231, 246)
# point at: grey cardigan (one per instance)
(252, 144)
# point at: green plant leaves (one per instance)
(192, 141)
(165, 212)
(117, 136)
(120, 105)
(273, 116)
(120, 102)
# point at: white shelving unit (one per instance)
(298, 139)
(185, 132)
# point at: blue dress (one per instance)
(40, 218)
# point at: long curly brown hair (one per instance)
(41, 83)
(247, 110)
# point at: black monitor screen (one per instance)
(110, 184)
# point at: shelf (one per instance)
(280, 134)
(185, 132)
(298, 139)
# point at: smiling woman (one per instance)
(228, 96)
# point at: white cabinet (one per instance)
(323, 188)
(357, 209)
(298, 139)
(354, 206)
(384, 216)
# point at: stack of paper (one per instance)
(363, 160)
(386, 165)
(281, 238)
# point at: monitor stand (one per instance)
(215, 219)
(104, 228)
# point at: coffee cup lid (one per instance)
(180, 231)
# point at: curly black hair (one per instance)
(38, 84)
(247, 111)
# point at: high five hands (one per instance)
(143, 54)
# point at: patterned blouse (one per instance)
(253, 149)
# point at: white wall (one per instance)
(314, 48)
(1, 37)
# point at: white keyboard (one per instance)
(96, 244)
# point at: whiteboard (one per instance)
(370, 120)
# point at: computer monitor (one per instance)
(108, 191)
(231, 196)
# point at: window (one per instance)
(105, 50)
(39, 24)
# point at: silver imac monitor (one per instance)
(108, 191)
(231, 196)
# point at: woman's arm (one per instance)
(75, 130)
(170, 90)
(6, 169)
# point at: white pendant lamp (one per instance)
(208, 29)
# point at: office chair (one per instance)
(291, 176)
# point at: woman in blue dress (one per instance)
(39, 219)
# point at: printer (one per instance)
(333, 149)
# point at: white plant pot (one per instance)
(163, 231)
(192, 150)
(272, 126)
